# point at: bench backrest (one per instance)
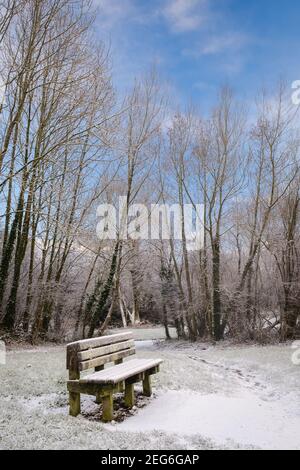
(96, 352)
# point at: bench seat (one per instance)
(121, 372)
(95, 354)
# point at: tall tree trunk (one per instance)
(217, 313)
(108, 287)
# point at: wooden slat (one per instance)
(105, 350)
(72, 362)
(101, 341)
(99, 361)
(122, 372)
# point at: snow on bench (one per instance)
(121, 372)
(103, 383)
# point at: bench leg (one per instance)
(108, 408)
(98, 397)
(118, 362)
(129, 395)
(147, 389)
(121, 387)
(74, 402)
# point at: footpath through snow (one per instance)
(245, 419)
(268, 420)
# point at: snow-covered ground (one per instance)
(147, 333)
(205, 397)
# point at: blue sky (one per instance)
(198, 45)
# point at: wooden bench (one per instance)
(103, 383)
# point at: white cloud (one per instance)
(112, 12)
(185, 15)
(230, 42)
(218, 44)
